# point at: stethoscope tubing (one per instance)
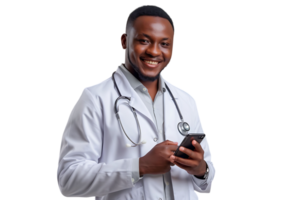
(180, 124)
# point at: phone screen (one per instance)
(187, 143)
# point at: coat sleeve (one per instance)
(79, 173)
(205, 186)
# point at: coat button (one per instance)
(154, 139)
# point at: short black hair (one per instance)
(147, 11)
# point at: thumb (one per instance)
(168, 142)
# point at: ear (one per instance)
(123, 40)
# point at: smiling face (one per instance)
(148, 44)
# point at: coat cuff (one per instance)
(202, 183)
(135, 170)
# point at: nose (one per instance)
(153, 50)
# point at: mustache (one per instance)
(139, 74)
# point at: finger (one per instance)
(181, 165)
(172, 143)
(185, 161)
(172, 158)
(168, 142)
(197, 146)
(172, 147)
(190, 153)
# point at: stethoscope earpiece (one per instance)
(128, 145)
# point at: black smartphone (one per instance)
(187, 143)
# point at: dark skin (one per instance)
(149, 43)
(149, 39)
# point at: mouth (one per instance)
(151, 63)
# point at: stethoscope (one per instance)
(183, 127)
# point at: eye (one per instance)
(144, 41)
(164, 44)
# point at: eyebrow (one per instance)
(150, 37)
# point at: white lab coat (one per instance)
(94, 159)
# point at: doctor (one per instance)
(99, 156)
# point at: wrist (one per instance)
(141, 167)
(203, 174)
(200, 175)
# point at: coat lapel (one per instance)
(171, 116)
(135, 102)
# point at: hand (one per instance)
(195, 164)
(157, 160)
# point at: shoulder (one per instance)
(92, 96)
(101, 88)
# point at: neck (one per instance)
(150, 85)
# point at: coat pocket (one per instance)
(134, 193)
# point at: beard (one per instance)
(140, 75)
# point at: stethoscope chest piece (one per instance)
(183, 128)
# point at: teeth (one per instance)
(151, 62)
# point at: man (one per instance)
(94, 159)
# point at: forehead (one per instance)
(152, 25)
